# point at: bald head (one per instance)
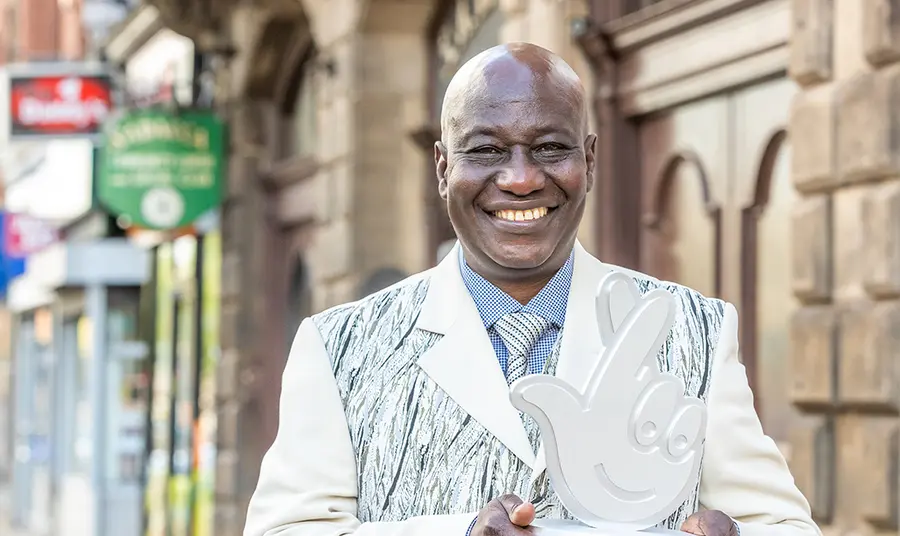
(515, 164)
(513, 72)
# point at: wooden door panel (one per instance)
(773, 298)
(764, 194)
(684, 165)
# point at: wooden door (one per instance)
(684, 161)
(716, 202)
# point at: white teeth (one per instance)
(522, 215)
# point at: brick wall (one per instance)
(35, 30)
(845, 134)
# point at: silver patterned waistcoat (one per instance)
(417, 452)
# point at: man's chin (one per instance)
(519, 258)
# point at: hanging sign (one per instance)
(52, 105)
(162, 170)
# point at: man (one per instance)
(395, 413)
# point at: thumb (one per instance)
(520, 513)
(692, 525)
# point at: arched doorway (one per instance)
(769, 303)
(278, 117)
(683, 228)
(292, 142)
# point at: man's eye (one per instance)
(550, 147)
(486, 150)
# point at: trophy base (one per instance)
(559, 527)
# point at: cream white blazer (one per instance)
(308, 481)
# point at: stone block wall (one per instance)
(845, 132)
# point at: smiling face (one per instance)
(516, 162)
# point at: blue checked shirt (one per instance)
(492, 303)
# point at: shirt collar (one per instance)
(492, 303)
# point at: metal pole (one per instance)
(96, 309)
(199, 346)
(22, 418)
(147, 325)
(60, 439)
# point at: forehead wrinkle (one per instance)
(491, 116)
(520, 71)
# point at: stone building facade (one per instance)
(747, 148)
(846, 268)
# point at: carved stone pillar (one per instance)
(617, 201)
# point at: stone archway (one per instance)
(271, 41)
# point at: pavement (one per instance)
(6, 528)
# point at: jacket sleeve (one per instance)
(744, 474)
(308, 482)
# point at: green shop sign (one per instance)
(162, 170)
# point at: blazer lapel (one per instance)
(463, 362)
(581, 345)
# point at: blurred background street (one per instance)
(183, 181)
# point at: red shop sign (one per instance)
(59, 105)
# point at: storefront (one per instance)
(33, 420)
(81, 389)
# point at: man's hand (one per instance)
(504, 516)
(710, 523)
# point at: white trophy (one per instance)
(624, 453)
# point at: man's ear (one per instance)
(590, 157)
(440, 167)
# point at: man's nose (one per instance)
(520, 176)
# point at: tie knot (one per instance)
(520, 331)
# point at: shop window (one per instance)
(130, 383)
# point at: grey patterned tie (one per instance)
(519, 331)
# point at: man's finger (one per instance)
(523, 515)
(520, 513)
